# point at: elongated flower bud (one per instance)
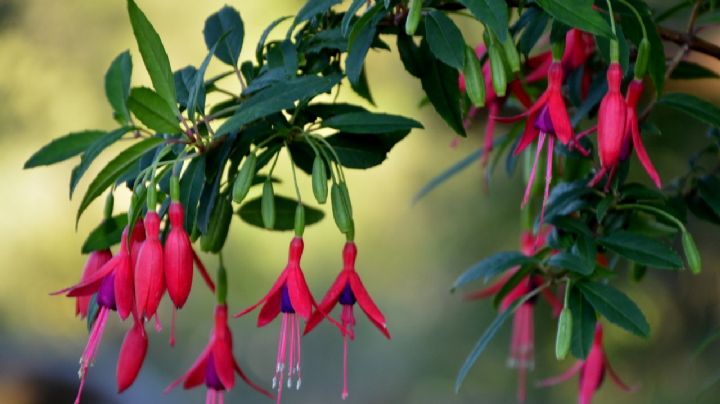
(124, 280)
(413, 18)
(132, 356)
(149, 275)
(474, 79)
(319, 180)
(178, 258)
(611, 119)
(244, 178)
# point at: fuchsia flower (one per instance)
(347, 290)
(95, 261)
(632, 130)
(149, 276)
(178, 263)
(132, 355)
(611, 126)
(523, 339)
(291, 296)
(592, 371)
(216, 366)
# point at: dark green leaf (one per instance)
(279, 96)
(492, 13)
(313, 8)
(227, 21)
(572, 225)
(440, 84)
(642, 249)
(491, 266)
(91, 154)
(615, 306)
(571, 262)
(106, 235)
(686, 70)
(578, 14)
(264, 36)
(196, 92)
(696, 107)
(117, 86)
(63, 148)
(563, 199)
(349, 14)
(709, 190)
(448, 173)
(369, 122)
(409, 54)
(250, 212)
(361, 37)
(153, 111)
(114, 169)
(364, 150)
(153, 55)
(445, 39)
(584, 321)
(191, 186)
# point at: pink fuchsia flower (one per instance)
(592, 371)
(216, 366)
(347, 290)
(522, 345)
(149, 275)
(178, 265)
(95, 261)
(290, 296)
(634, 91)
(132, 355)
(611, 126)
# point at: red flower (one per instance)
(611, 126)
(216, 366)
(95, 261)
(149, 276)
(347, 290)
(178, 264)
(522, 340)
(132, 355)
(632, 129)
(291, 296)
(592, 371)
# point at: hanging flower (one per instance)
(95, 261)
(592, 371)
(216, 366)
(149, 275)
(178, 265)
(634, 91)
(347, 290)
(132, 355)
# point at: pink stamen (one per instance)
(548, 176)
(345, 393)
(172, 326)
(531, 180)
(348, 321)
(298, 350)
(220, 396)
(158, 325)
(292, 352)
(278, 379)
(210, 397)
(88, 355)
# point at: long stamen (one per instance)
(345, 365)
(221, 399)
(298, 350)
(158, 324)
(548, 176)
(90, 351)
(348, 322)
(281, 362)
(172, 326)
(531, 180)
(291, 359)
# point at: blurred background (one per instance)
(53, 55)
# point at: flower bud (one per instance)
(413, 17)
(474, 79)
(340, 208)
(267, 205)
(564, 333)
(149, 274)
(244, 178)
(319, 180)
(497, 66)
(132, 356)
(691, 252)
(178, 258)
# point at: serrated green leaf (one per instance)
(63, 148)
(364, 150)
(153, 111)
(251, 212)
(491, 267)
(698, 108)
(579, 14)
(369, 122)
(153, 55)
(615, 306)
(492, 13)
(117, 86)
(349, 14)
(106, 235)
(583, 324)
(91, 154)
(445, 39)
(114, 169)
(225, 23)
(641, 249)
(266, 32)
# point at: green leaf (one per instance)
(153, 111)
(369, 122)
(313, 8)
(191, 186)
(579, 14)
(91, 154)
(227, 21)
(360, 39)
(710, 18)
(264, 36)
(440, 84)
(641, 249)
(364, 150)
(106, 235)
(285, 208)
(448, 173)
(491, 267)
(709, 190)
(564, 199)
(153, 55)
(117, 86)
(696, 107)
(275, 98)
(583, 324)
(349, 14)
(571, 262)
(492, 13)
(114, 169)
(615, 306)
(445, 39)
(63, 148)
(196, 93)
(686, 70)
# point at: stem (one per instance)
(221, 282)
(637, 15)
(612, 17)
(294, 175)
(657, 211)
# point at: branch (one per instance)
(693, 42)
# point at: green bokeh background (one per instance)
(53, 55)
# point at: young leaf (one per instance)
(641, 249)
(583, 324)
(445, 39)
(615, 306)
(153, 55)
(153, 111)
(491, 266)
(117, 86)
(440, 84)
(91, 154)
(63, 148)
(447, 174)
(227, 21)
(214, 239)
(696, 107)
(251, 213)
(106, 235)
(114, 169)
(579, 14)
(369, 122)
(196, 93)
(492, 13)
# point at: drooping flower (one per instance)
(95, 261)
(632, 129)
(178, 264)
(611, 126)
(290, 296)
(216, 366)
(347, 290)
(592, 371)
(132, 355)
(522, 345)
(149, 275)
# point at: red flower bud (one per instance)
(124, 285)
(178, 258)
(611, 120)
(95, 261)
(132, 356)
(149, 275)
